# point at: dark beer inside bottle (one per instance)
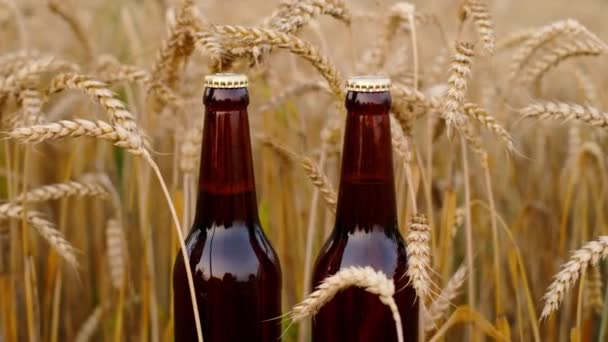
(366, 231)
(236, 272)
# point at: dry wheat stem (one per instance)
(558, 54)
(564, 280)
(419, 256)
(566, 112)
(88, 328)
(86, 187)
(478, 11)
(77, 128)
(302, 48)
(116, 250)
(45, 228)
(100, 92)
(374, 282)
(460, 71)
(488, 121)
(440, 305)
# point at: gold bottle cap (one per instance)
(368, 84)
(226, 80)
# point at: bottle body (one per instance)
(365, 232)
(236, 272)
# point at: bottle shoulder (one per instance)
(238, 251)
(383, 252)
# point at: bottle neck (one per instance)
(226, 179)
(366, 199)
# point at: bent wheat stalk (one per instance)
(374, 282)
(77, 128)
(45, 228)
(555, 56)
(260, 36)
(100, 93)
(31, 68)
(543, 36)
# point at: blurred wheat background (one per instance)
(499, 135)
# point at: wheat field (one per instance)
(499, 125)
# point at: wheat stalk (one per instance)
(488, 121)
(88, 186)
(478, 11)
(372, 60)
(293, 15)
(419, 255)
(16, 61)
(88, 328)
(558, 54)
(460, 71)
(116, 250)
(564, 280)
(45, 228)
(77, 128)
(99, 91)
(374, 282)
(439, 307)
(10, 59)
(31, 68)
(304, 49)
(114, 73)
(543, 36)
(178, 46)
(567, 111)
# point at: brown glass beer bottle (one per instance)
(365, 231)
(236, 271)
